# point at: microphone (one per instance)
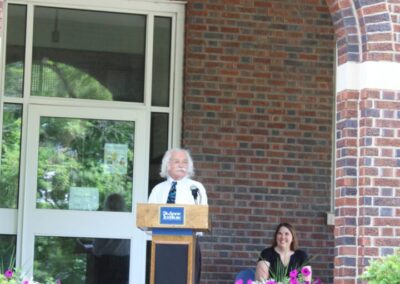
(195, 192)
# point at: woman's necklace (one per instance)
(284, 256)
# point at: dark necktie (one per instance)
(172, 193)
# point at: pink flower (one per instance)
(293, 273)
(25, 282)
(270, 282)
(249, 281)
(294, 281)
(240, 281)
(8, 273)
(305, 271)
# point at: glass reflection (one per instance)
(10, 155)
(161, 61)
(81, 260)
(15, 51)
(7, 252)
(88, 54)
(158, 146)
(111, 261)
(81, 161)
(111, 256)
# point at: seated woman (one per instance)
(283, 256)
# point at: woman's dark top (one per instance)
(297, 259)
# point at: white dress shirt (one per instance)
(159, 194)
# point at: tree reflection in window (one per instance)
(56, 79)
(72, 160)
(10, 155)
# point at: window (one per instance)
(88, 54)
(88, 107)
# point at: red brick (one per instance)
(387, 242)
(374, 9)
(387, 222)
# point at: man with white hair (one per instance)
(177, 168)
(179, 188)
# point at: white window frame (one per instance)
(150, 8)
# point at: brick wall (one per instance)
(379, 164)
(346, 201)
(368, 183)
(258, 107)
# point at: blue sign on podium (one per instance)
(172, 215)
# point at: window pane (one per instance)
(158, 146)
(81, 261)
(15, 51)
(84, 163)
(10, 155)
(161, 61)
(7, 252)
(88, 55)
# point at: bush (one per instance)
(385, 270)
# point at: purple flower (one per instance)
(270, 282)
(8, 273)
(293, 273)
(293, 281)
(240, 281)
(306, 282)
(249, 281)
(305, 271)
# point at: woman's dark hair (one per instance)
(295, 244)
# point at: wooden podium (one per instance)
(173, 228)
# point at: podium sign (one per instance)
(172, 215)
(173, 239)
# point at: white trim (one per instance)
(27, 221)
(136, 6)
(330, 218)
(381, 75)
(331, 214)
(8, 224)
(148, 66)
(28, 53)
(177, 48)
(2, 71)
(52, 222)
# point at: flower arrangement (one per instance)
(240, 281)
(296, 276)
(15, 277)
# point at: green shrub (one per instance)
(385, 270)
